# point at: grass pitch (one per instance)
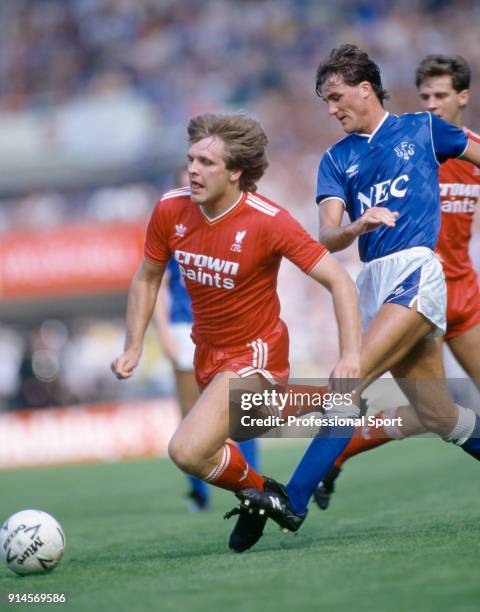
(402, 533)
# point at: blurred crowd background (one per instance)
(94, 100)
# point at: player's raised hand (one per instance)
(375, 217)
(124, 365)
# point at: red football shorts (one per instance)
(463, 305)
(266, 355)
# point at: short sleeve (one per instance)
(156, 248)
(448, 140)
(329, 180)
(296, 244)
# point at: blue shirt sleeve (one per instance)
(329, 180)
(449, 141)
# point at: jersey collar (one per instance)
(225, 212)
(382, 121)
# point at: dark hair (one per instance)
(244, 139)
(441, 65)
(354, 66)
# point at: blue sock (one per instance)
(249, 450)
(199, 486)
(316, 463)
(472, 445)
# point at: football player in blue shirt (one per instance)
(384, 174)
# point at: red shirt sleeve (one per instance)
(157, 249)
(296, 244)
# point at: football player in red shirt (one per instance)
(228, 241)
(443, 84)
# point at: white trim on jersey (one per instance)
(175, 193)
(264, 210)
(317, 262)
(378, 126)
(333, 160)
(258, 200)
(334, 198)
(370, 136)
(431, 137)
(466, 147)
(225, 212)
(263, 207)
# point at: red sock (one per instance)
(364, 438)
(233, 472)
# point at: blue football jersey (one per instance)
(395, 167)
(180, 303)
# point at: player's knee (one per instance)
(182, 455)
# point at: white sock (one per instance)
(464, 427)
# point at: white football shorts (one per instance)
(410, 277)
(186, 348)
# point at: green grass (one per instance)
(402, 533)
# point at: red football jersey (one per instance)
(230, 264)
(459, 194)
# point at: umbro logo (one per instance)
(352, 170)
(180, 230)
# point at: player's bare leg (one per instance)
(394, 341)
(187, 394)
(390, 337)
(187, 390)
(421, 377)
(466, 350)
(199, 445)
(410, 424)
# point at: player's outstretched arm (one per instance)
(333, 277)
(336, 236)
(141, 301)
(160, 318)
(472, 153)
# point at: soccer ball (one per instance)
(31, 542)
